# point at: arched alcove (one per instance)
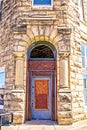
(42, 50)
(41, 85)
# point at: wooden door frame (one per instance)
(28, 94)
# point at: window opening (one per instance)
(42, 3)
(84, 72)
(41, 51)
(84, 56)
(1, 6)
(85, 87)
(80, 4)
(2, 79)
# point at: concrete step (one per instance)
(38, 125)
(35, 127)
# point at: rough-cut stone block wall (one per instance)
(76, 82)
(6, 51)
(21, 26)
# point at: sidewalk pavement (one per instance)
(47, 125)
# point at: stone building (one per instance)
(43, 52)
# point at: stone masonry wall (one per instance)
(7, 60)
(22, 25)
(6, 52)
(76, 82)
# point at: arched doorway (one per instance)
(41, 81)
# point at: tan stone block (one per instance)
(17, 36)
(74, 82)
(65, 106)
(53, 33)
(25, 38)
(72, 75)
(65, 114)
(46, 38)
(21, 48)
(65, 97)
(75, 105)
(19, 72)
(63, 72)
(51, 41)
(37, 38)
(79, 117)
(56, 39)
(81, 94)
(41, 30)
(65, 121)
(47, 30)
(42, 38)
(18, 118)
(16, 106)
(79, 87)
(17, 96)
(65, 118)
(30, 33)
(23, 43)
(35, 31)
(32, 41)
(73, 69)
(78, 111)
(7, 96)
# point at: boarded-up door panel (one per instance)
(41, 94)
(41, 98)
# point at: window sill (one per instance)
(42, 7)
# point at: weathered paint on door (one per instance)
(41, 98)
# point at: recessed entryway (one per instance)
(41, 82)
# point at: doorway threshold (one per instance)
(41, 122)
